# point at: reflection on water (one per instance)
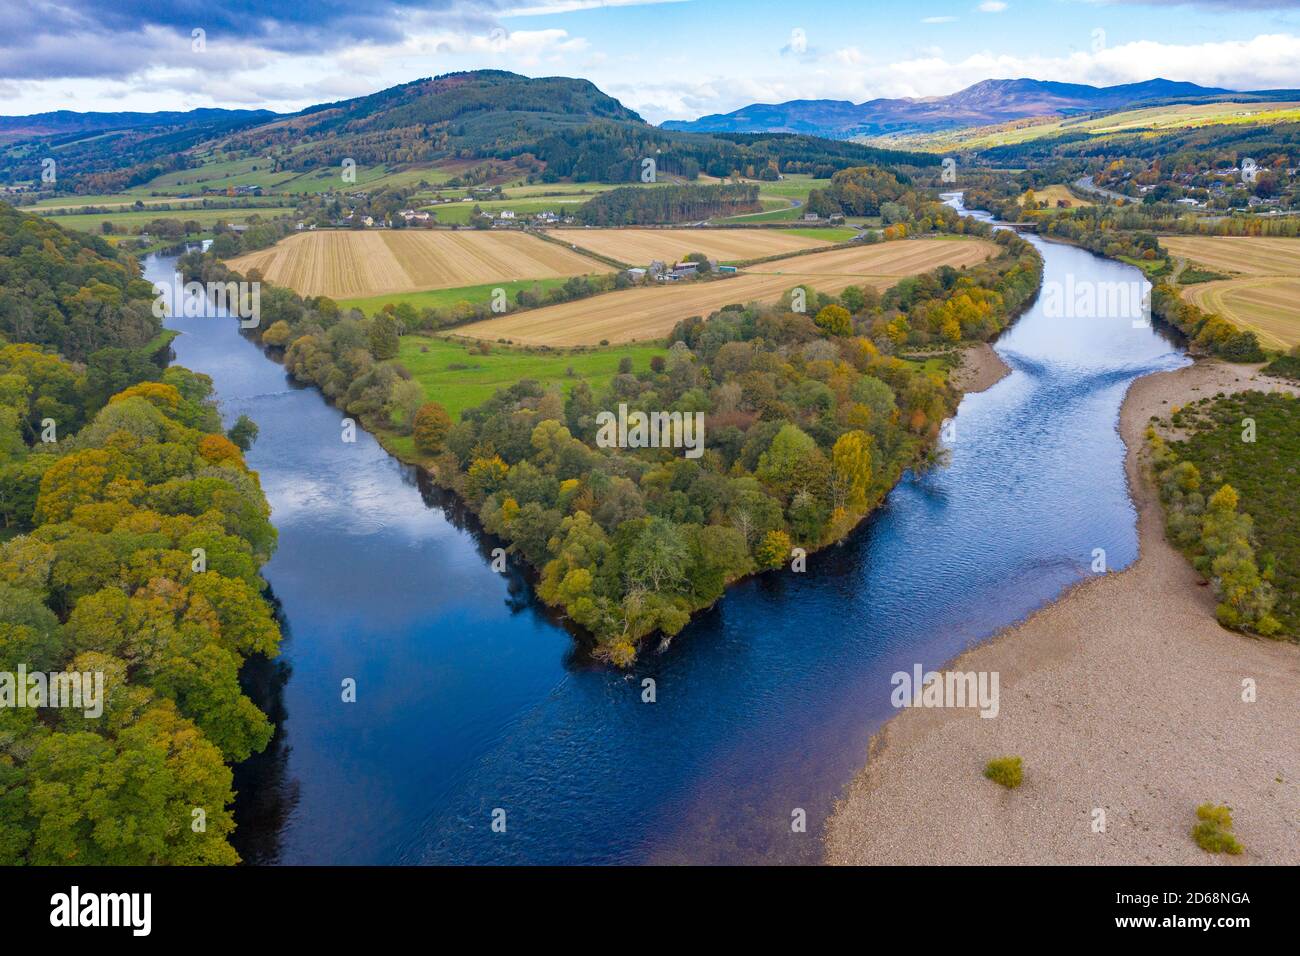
(472, 697)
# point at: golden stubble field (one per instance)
(643, 246)
(1264, 293)
(652, 311)
(355, 264)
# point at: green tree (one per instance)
(851, 471)
(383, 337)
(657, 561)
(243, 433)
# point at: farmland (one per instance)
(134, 219)
(1241, 254)
(354, 264)
(640, 246)
(651, 312)
(1152, 118)
(458, 378)
(1264, 293)
(446, 298)
(1054, 194)
(899, 258)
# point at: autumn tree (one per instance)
(432, 425)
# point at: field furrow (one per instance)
(652, 311)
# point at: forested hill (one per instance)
(131, 537)
(556, 127)
(565, 125)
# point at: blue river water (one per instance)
(472, 698)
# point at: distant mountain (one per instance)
(62, 122)
(985, 103)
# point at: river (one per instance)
(472, 698)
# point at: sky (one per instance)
(667, 59)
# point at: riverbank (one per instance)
(981, 368)
(1123, 695)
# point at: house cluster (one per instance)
(659, 271)
(813, 217)
(231, 192)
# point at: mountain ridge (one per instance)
(984, 103)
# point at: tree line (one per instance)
(133, 537)
(635, 205)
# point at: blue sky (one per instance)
(668, 60)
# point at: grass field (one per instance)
(113, 200)
(93, 222)
(640, 246)
(1264, 293)
(444, 298)
(652, 311)
(354, 264)
(460, 213)
(1054, 194)
(429, 361)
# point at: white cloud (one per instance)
(568, 6)
(992, 6)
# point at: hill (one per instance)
(987, 102)
(63, 122)
(552, 127)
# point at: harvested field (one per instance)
(899, 258)
(1245, 254)
(1057, 193)
(1264, 299)
(1269, 306)
(352, 264)
(651, 312)
(642, 246)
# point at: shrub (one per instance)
(1214, 833)
(1007, 771)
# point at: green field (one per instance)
(445, 298)
(218, 173)
(460, 212)
(427, 359)
(794, 186)
(114, 199)
(93, 221)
